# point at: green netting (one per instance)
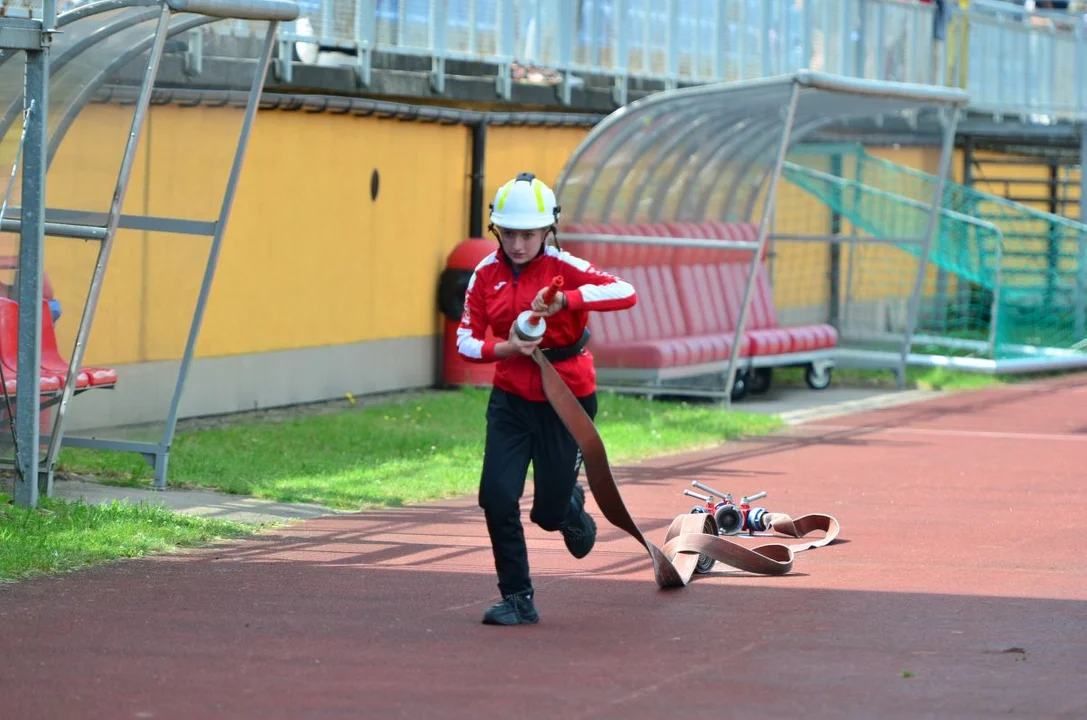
(986, 247)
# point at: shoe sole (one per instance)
(512, 624)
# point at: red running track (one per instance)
(958, 591)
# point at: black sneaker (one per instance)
(580, 533)
(516, 609)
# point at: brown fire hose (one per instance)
(689, 534)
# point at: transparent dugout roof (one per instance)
(703, 153)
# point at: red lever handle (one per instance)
(549, 297)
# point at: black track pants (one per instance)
(519, 431)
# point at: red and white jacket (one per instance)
(496, 295)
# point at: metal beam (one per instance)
(930, 231)
(90, 225)
(1081, 246)
(20, 34)
(216, 246)
(55, 229)
(764, 235)
(29, 277)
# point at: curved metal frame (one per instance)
(708, 99)
(699, 157)
(620, 139)
(80, 101)
(678, 146)
(74, 51)
(95, 8)
(652, 153)
(747, 155)
(755, 188)
(678, 120)
(674, 145)
(85, 11)
(727, 123)
(623, 114)
(752, 155)
(696, 211)
(616, 145)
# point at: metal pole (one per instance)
(58, 229)
(764, 233)
(854, 246)
(950, 125)
(994, 308)
(216, 244)
(1081, 254)
(834, 315)
(479, 160)
(128, 160)
(29, 281)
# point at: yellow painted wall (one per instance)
(1030, 184)
(308, 259)
(801, 269)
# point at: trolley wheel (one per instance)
(818, 378)
(740, 385)
(759, 381)
(705, 564)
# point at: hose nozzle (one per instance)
(531, 326)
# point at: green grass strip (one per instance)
(58, 536)
(424, 448)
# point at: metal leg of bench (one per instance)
(158, 466)
(155, 454)
(656, 383)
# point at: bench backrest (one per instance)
(701, 289)
(658, 314)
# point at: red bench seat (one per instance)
(666, 353)
(689, 300)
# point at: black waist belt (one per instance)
(559, 354)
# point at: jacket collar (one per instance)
(509, 263)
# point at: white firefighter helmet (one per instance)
(524, 203)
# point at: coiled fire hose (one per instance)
(690, 534)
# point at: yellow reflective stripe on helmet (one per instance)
(502, 195)
(537, 186)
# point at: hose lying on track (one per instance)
(689, 534)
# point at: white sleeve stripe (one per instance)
(489, 260)
(569, 259)
(468, 345)
(612, 291)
